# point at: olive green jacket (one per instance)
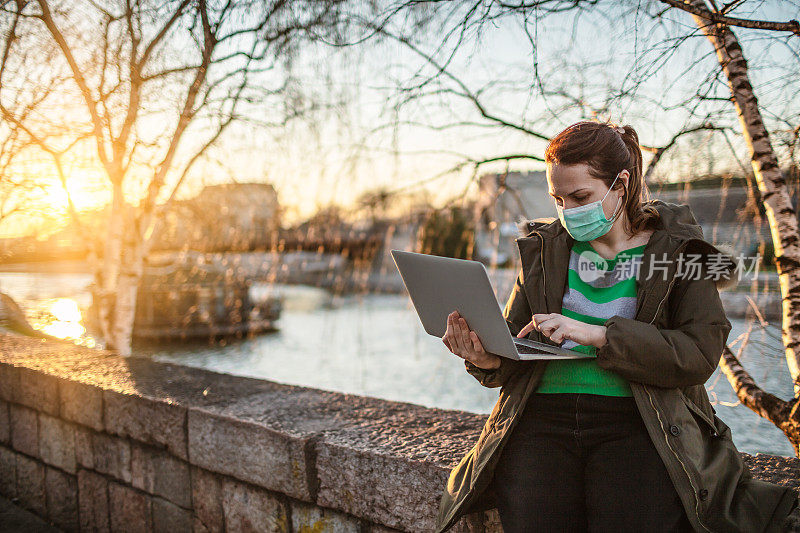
(667, 353)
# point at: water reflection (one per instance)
(61, 318)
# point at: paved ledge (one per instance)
(90, 440)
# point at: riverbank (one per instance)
(373, 344)
(335, 274)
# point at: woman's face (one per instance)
(573, 186)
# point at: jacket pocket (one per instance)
(700, 415)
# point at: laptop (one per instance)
(439, 285)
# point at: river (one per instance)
(374, 345)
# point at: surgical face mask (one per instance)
(587, 222)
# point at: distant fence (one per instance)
(93, 441)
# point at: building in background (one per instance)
(724, 208)
(503, 200)
(224, 217)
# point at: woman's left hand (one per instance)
(558, 328)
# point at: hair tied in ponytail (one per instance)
(607, 147)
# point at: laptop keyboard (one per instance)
(521, 348)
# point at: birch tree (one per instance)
(143, 89)
(776, 198)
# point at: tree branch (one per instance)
(791, 26)
(80, 80)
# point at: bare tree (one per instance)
(474, 107)
(776, 199)
(581, 96)
(21, 197)
(144, 89)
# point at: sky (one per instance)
(567, 60)
(333, 159)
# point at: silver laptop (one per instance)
(439, 285)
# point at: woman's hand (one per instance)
(465, 343)
(558, 328)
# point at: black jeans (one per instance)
(584, 462)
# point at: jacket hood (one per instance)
(681, 228)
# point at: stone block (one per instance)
(93, 501)
(37, 390)
(5, 423)
(61, 491)
(377, 528)
(169, 517)
(30, 485)
(158, 473)
(81, 403)
(9, 376)
(492, 521)
(24, 429)
(131, 510)
(8, 472)
(250, 452)
(112, 456)
(146, 420)
(249, 508)
(384, 489)
(308, 518)
(207, 501)
(774, 468)
(57, 442)
(84, 456)
(475, 523)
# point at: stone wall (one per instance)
(93, 441)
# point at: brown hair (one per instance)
(608, 149)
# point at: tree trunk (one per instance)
(107, 276)
(118, 279)
(783, 226)
(130, 273)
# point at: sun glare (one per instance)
(55, 196)
(66, 320)
(66, 309)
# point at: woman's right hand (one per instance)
(465, 343)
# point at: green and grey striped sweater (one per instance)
(597, 289)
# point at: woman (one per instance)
(624, 440)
